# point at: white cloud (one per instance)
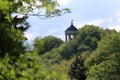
(119, 20)
(63, 2)
(79, 26)
(110, 19)
(30, 36)
(116, 27)
(118, 13)
(96, 22)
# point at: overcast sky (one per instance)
(103, 13)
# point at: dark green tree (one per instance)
(77, 69)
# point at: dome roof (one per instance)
(71, 28)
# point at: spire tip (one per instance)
(72, 22)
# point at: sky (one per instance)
(102, 13)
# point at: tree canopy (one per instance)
(93, 55)
(46, 44)
(15, 63)
(104, 62)
(13, 16)
(96, 51)
(43, 8)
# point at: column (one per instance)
(65, 37)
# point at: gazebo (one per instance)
(70, 32)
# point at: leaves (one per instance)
(46, 44)
(15, 64)
(27, 67)
(103, 63)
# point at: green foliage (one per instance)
(4, 5)
(99, 57)
(77, 69)
(26, 67)
(42, 45)
(78, 45)
(51, 57)
(44, 8)
(104, 62)
(88, 36)
(15, 64)
(106, 70)
(62, 67)
(86, 40)
(13, 26)
(68, 49)
(11, 41)
(11, 31)
(65, 51)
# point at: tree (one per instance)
(13, 15)
(77, 69)
(104, 62)
(86, 40)
(43, 9)
(15, 64)
(42, 45)
(27, 67)
(88, 36)
(11, 42)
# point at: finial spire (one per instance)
(72, 22)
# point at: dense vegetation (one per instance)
(46, 44)
(93, 55)
(15, 62)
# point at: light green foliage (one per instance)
(13, 25)
(4, 5)
(26, 67)
(104, 63)
(42, 45)
(15, 64)
(44, 8)
(62, 66)
(51, 57)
